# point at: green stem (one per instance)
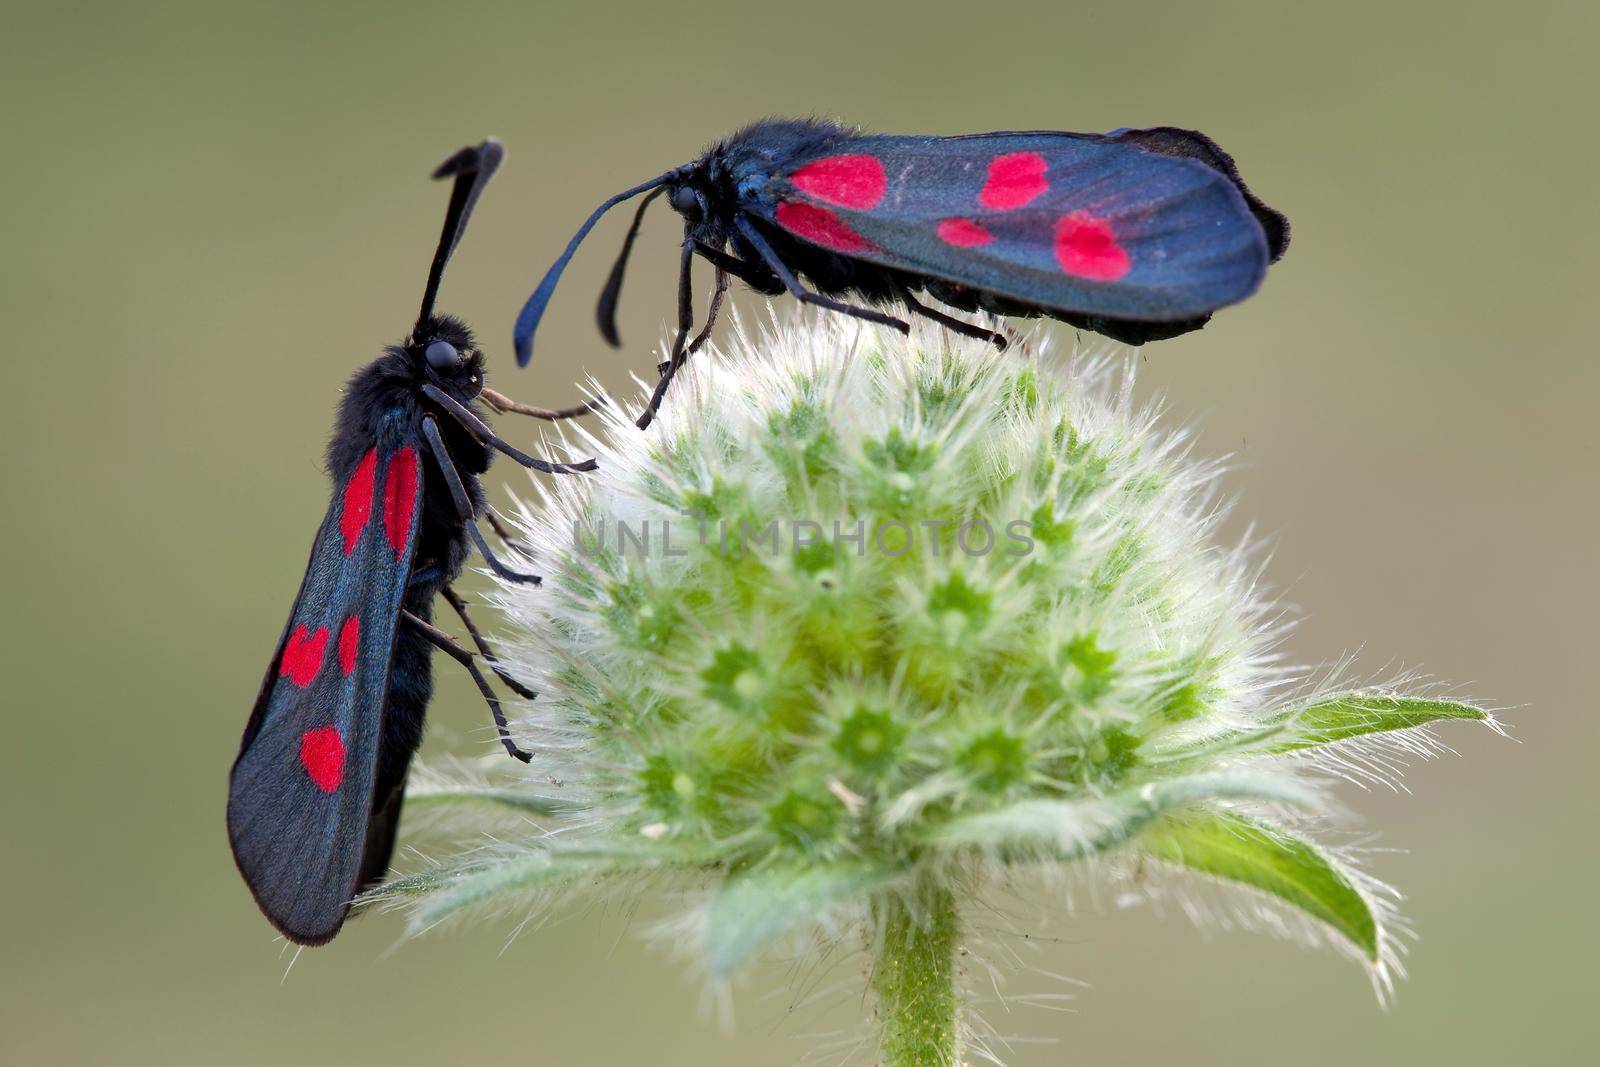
(914, 978)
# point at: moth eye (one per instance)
(442, 355)
(684, 201)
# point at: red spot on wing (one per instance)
(849, 181)
(302, 655)
(399, 497)
(357, 501)
(1014, 179)
(820, 226)
(322, 755)
(963, 233)
(1086, 247)
(349, 644)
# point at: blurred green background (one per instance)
(213, 212)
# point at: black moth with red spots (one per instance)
(1136, 234)
(315, 794)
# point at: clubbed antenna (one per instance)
(472, 167)
(533, 310)
(605, 311)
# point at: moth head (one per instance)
(448, 355)
(686, 201)
(442, 356)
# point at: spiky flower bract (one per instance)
(864, 624)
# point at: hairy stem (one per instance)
(914, 977)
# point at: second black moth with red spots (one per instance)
(1136, 234)
(315, 794)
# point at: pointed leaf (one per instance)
(462, 794)
(420, 883)
(1351, 715)
(1226, 785)
(1260, 856)
(752, 911)
(1063, 829)
(506, 879)
(1067, 829)
(1341, 717)
(1192, 742)
(450, 887)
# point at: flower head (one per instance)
(864, 623)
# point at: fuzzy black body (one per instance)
(286, 811)
(1135, 234)
(385, 392)
(315, 793)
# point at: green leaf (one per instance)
(1351, 715)
(439, 796)
(1166, 795)
(421, 883)
(754, 910)
(1193, 742)
(1063, 829)
(418, 883)
(1340, 717)
(512, 877)
(1068, 829)
(1260, 856)
(451, 887)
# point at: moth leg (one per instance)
(742, 269)
(442, 641)
(507, 535)
(679, 343)
(669, 369)
(431, 572)
(458, 492)
(480, 429)
(504, 405)
(459, 603)
(718, 291)
(966, 329)
(790, 282)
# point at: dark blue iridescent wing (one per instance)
(301, 792)
(1126, 226)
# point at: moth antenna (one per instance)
(472, 167)
(533, 310)
(605, 311)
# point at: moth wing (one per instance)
(1192, 144)
(1099, 225)
(301, 791)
